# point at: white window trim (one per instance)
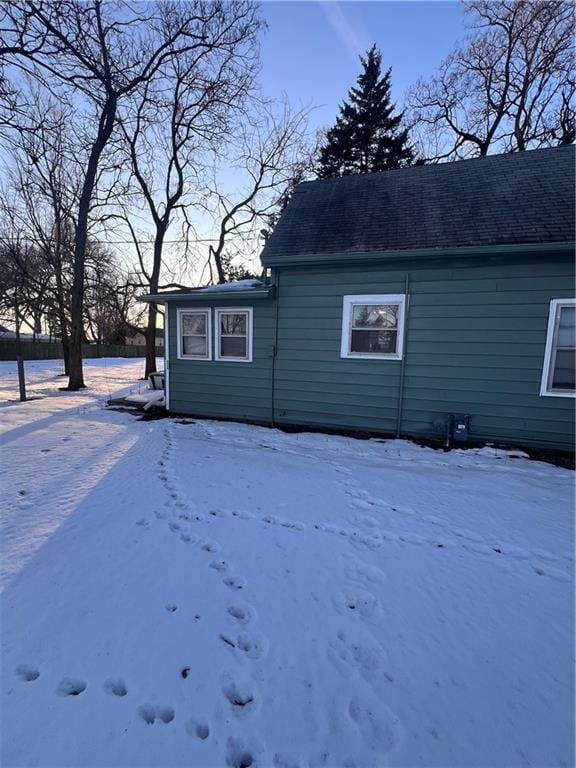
(201, 311)
(348, 304)
(549, 352)
(248, 311)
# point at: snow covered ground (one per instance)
(212, 594)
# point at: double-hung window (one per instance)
(194, 332)
(234, 335)
(373, 326)
(558, 379)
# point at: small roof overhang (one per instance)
(243, 290)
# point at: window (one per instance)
(234, 335)
(194, 334)
(373, 327)
(560, 353)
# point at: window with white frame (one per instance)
(373, 326)
(234, 335)
(558, 377)
(194, 331)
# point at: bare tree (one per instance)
(102, 52)
(23, 291)
(174, 122)
(45, 183)
(273, 153)
(111, 309)
(509, 88)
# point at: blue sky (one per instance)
(310, 51)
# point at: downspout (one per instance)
(166, 356)
(276, 282)
(403, 361)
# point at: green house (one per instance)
(416, 302)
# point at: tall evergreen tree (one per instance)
(367, 135)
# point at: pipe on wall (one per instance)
(276, 282)
(403, 361)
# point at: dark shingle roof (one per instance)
(525, 197)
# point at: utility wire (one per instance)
(131, 242)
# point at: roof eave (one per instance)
(313, 259)
(209, 296)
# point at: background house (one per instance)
(398, 300)
(138, 338)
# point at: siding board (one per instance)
(475, 344)
(218, 389)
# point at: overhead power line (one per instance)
(131, 242)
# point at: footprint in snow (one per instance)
(150, 713)
(242, 696)
(238, 755)
(552, 573)
(71, 687)
(364, 656)
(242, 613)
(235, 582)
(361, 603)
(219, 565)
(254, 647)
(171, 607)
(27, 673)
(210, 546)
(220, 513)
(115, 687)
(198, 729)
(242, 515)
(380, 727)
(291, 525)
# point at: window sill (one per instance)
(191, 358)
(352, 356)
(558, 394)
(232, 360)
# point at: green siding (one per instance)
(476, 333)
(475, 345)
(213, 388)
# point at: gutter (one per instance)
(313, 259)
(162, 298)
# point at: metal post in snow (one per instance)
(21, 378)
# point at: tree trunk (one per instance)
(151, 340)
(215, 253)
(37, 326)
(105, 125)
(64, 339)
(152, 310)
(17, 317)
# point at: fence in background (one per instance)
(44, 350)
